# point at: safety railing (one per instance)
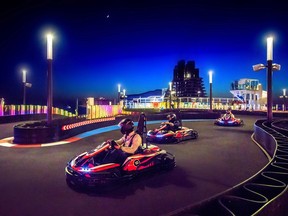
(257, 194)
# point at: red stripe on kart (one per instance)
(104, 167)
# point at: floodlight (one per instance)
(258, 67)
(29, 85)
(276, 67)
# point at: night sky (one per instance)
(136, 44)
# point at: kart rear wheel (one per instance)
(177, 140)
(168, 162)
(195, 134)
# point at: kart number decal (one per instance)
(136, 163)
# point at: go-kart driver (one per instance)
(172, 124)
(127, 145)
(228, 115)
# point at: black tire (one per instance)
(168, 163)
(74, 186)
(195, 134)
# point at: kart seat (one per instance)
(179, 119)
(142, 129)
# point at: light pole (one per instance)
(119, 90)
(124, 96)
(24, 87)
(210, 82)
(170, 91)
(270, 67)
(49, 78)
(284, 96)
(77, 107)
(25, 84)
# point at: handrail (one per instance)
(252, 196)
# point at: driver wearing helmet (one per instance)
(228, 115)
(172, 123)
(130, 143)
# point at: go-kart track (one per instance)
(33, 182)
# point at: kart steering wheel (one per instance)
(112, 143)
(227, 117)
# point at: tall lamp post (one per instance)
(25, 84)
(119, 90)
(24, 87)
(49, 78)
(284, 96)
(210, 82)
(124, 98)
(170, 91)
(270, 67)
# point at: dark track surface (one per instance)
(33, 183)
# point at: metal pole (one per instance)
(119, 91)
(211, 96)
(24, 93)
(118, 100)
(269, 91)
(170, 91)
(49, 92)
(77, 105)
(170, 100)
(210, 81)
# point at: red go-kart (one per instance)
(169, 136)
(228, 121)
(88, 168)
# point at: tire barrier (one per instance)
(263, 194)
(60, 129)
(33, 133)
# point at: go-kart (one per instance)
(228, 121)
(170, 136)
(88, 168)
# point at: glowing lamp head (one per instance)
(49, 46)
(24, 76)
(269, 48)
(210, 76)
